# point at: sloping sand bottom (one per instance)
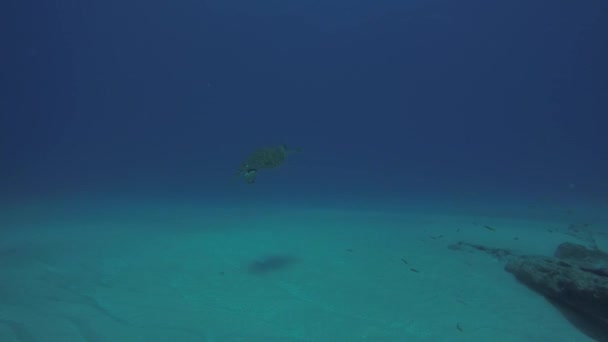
(199, 273)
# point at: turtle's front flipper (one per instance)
(250, 176)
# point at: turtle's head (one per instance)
(291, 150)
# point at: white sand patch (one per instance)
(196, 273)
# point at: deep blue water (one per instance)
(387, 98)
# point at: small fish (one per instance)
(404, 261)
(458, 327)
(414, 270)
(489, 228)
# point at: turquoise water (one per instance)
(128, 269)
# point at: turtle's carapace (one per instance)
(263, 158)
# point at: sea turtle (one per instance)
(264, 158)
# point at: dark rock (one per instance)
(498, 253)
(590, 260)
(566, 280)
(584, 233)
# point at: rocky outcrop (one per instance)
(498, 253)
(575, 277)
(590, 260)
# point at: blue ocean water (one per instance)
(390, 98)
(431, 104)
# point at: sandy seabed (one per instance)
(196, 272)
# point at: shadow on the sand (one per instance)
(271, 263)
